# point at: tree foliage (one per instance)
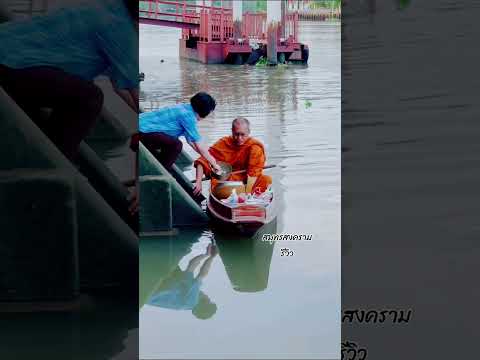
(328, 4)
(255, 6)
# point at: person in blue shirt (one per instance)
(180, 290)
(161, 129)
(50, 61)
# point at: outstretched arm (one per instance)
(203, 151)
(194, 262)
(202, 273)
(197, 189)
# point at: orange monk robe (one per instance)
(250, 156)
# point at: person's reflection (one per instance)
(180, 290)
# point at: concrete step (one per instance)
(108, 248)
(185, 211)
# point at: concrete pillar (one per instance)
(237, 19)
(274, 16)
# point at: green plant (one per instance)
(262, 62)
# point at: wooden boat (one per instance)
(243, 218)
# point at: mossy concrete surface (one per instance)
(155, 203)
(107, 247)
(185, 211)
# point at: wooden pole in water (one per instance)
(237, 19)
(274, 16)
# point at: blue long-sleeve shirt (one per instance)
(176, 120)
(87, 41)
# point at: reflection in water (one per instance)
(265, 86)
(247, 260)
(173, 269)
(160, 256)
(180, 289)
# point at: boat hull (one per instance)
(246, 219)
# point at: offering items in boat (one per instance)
(225, 188)
(232, 199)
(243, 212)
(257, 198)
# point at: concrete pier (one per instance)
(274, 17)
(184, 210)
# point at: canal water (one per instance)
(253, 302)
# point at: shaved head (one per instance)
(240, 130)
(241, 121)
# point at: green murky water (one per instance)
(204, 294)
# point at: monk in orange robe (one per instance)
(242, 152)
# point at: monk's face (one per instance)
(240, 133)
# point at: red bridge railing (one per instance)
(254, 26)
(180, 11)
(215, 24)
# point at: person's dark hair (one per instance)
(205, 308)
(132, 7)
(203, 104)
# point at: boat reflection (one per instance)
(173, 269)
(247, 259)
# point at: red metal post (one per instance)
(296, 27)
(222, 25)
(209, 26)
(184, 10)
